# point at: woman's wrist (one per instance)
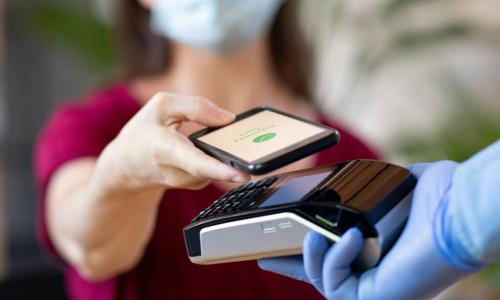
(112, 176)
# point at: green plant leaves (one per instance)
(79, 31)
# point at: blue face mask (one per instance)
(213, 25)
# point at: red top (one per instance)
(165, 272)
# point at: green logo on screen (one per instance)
(264, 137)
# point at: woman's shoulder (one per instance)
(350, 145)
(105, 111)
(101, 106)
(83, 127)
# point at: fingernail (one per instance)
(239, 179)
(226, 114)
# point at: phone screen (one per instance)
(260, 135)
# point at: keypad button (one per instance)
(237, 199)
(244, 204)
(245, 195)
(255, 193)
(269, 181)
(251, 185)
(241, 187)
(260, 183)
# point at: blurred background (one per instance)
(419, 79)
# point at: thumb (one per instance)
(171, 108)
(289, 266)
(418, 169)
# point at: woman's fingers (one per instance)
(172, 108)
(201, 165)
(182, 164)
(174, 177)
(181, 153)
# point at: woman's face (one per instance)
(220, 26)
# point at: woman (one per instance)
(118, 177)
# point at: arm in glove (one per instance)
(443, 241)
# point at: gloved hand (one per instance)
(416, 267)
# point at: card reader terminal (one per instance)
(270, 217)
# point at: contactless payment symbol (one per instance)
(264, 137)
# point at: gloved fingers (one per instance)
(315, 248)
(338, 259)
(289, 266)
(418, 169)
(347, 290)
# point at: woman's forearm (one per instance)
(99, 230)
(101, 212)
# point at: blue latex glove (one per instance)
(415, 268)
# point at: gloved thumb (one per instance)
(418, 169)
(289, 266)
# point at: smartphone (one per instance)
(264, 139)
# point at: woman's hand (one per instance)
(151, 152)
(101, 212)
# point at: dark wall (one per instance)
(38, 75)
